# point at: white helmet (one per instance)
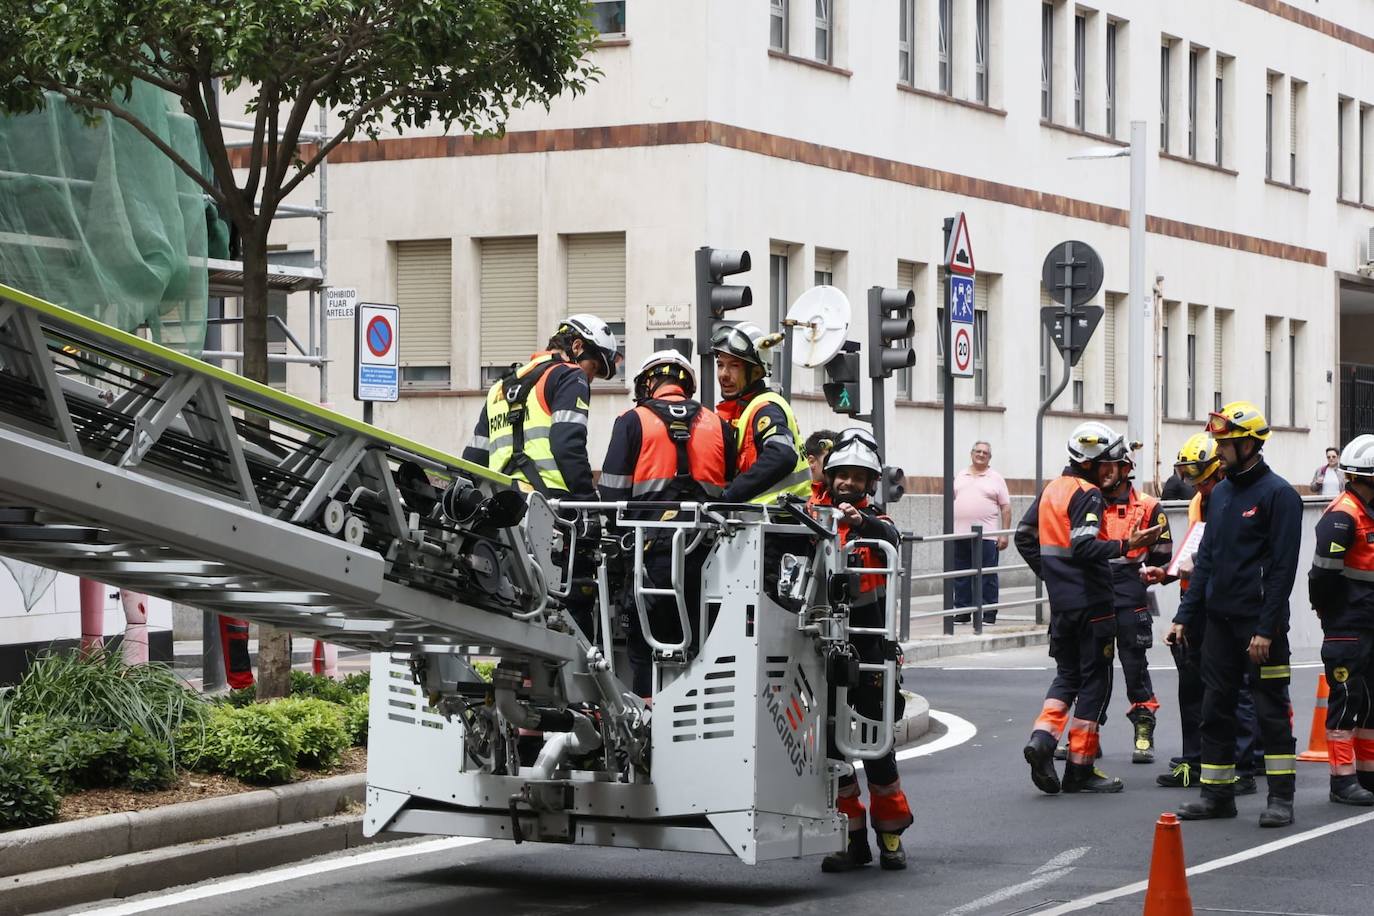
(854, 448)
(599, 336)
(1357, 458)
(1094, 441)
(747, 342)
(669, 364)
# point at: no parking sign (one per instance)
(377, 375)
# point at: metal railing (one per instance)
(977, 571)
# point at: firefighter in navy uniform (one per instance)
(852, 469)
(668, 448)
(772, 455)
(1058, 537)
(1241, 580)
(1127, 511)
(533, 427)
(1341, 587)
(1197, 464)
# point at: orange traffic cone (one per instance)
(1316, 743)
(1167, 894)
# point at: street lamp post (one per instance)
(1140, 306)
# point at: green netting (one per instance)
(96, 218)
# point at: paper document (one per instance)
(1189, 548)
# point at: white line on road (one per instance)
(1246, 855)
(1048, 873)
(1153, 670)
(958, 731)
(290, 873)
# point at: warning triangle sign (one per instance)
(959, 255)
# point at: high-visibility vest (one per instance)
(798, 482)
(682, 450)
(1195, 509)
(1359, 556)
(868, 557)
(1056, 538)
(520, 422)
(1121, 520)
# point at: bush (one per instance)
(355, 720)
(241, 696)
(317, 685)
(27, 796)
(358, 682)
(256, 743)
(73, 757)
(100, 692)
(321, 733)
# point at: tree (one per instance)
(403, 64)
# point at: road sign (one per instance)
(340, 302)
(961, 319)
(961, 299)
(668, 316)
(1085, 321)
(963, 350)
(959, 252)
(377, 373)
(1072, 266)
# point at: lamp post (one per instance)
(1140, 305)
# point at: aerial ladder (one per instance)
(142, 467)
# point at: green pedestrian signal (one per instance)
(842, 389)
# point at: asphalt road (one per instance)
(985, 841)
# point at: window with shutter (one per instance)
(1294, 91)
(509, 302)
(825, 267)
(596, 282)
(1269, 366)
(1220, 322)
(982, 283)
(1110, 309)
(424, 295)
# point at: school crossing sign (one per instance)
(377, 366)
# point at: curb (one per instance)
(915, 723)
(917, 650)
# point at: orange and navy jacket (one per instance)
(642, 460)
(1058, 538)
(769, 454)
(875, 526)
(564, 393)
(1340, 584)
(1123, 515)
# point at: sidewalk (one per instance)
(1015, 628)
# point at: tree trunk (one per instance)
(274, 645)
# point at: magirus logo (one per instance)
(791, 705)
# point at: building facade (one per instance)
(830, 138)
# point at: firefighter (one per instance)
(668, 448)
(816, 447)
(534, 428)
(852, 469)
(1126, 512)
(772, 458)
(1242, 577)
(1059, 539)
(1198, 465)
(1341, 587)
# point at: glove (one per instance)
(589, 528)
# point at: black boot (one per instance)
(1366, 779)
(856, 856)
(1039, 753)
(1346, 790)
(1144, 740)
(1061, 752)
(1278, 813)
(1084, 777)
(1207, 808)
(891, 856)
(1245, 785)
(1182, 776)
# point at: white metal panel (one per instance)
(509, 300)
(424, 293)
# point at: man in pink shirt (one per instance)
(980, 498)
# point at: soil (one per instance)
(188, 787)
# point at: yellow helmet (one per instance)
(1238, 420)
(1197, 459)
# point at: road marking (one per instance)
(289, 873)
(1048, 873)
(958, 731)
(1161, 669)
(1246, 855)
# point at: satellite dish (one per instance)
(820, 321)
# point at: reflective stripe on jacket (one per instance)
(538, 424)
(798, 481)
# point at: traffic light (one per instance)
(892, 485)
(714, 296)
(890, 321)
(842, 391)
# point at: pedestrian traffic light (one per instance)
(842, 391)
(890, 323)
(714, 296)
(892, 486)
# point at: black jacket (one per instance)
(1344, 602)
(1084, 580)
(1248, 558)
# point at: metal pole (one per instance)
(1140, 305)
(323, 204)
(976, 552)
(1040, 456)
(878, 413)
(947, 524)
(907, 551)
(211, 652)
(367, 412)
(786, 362)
